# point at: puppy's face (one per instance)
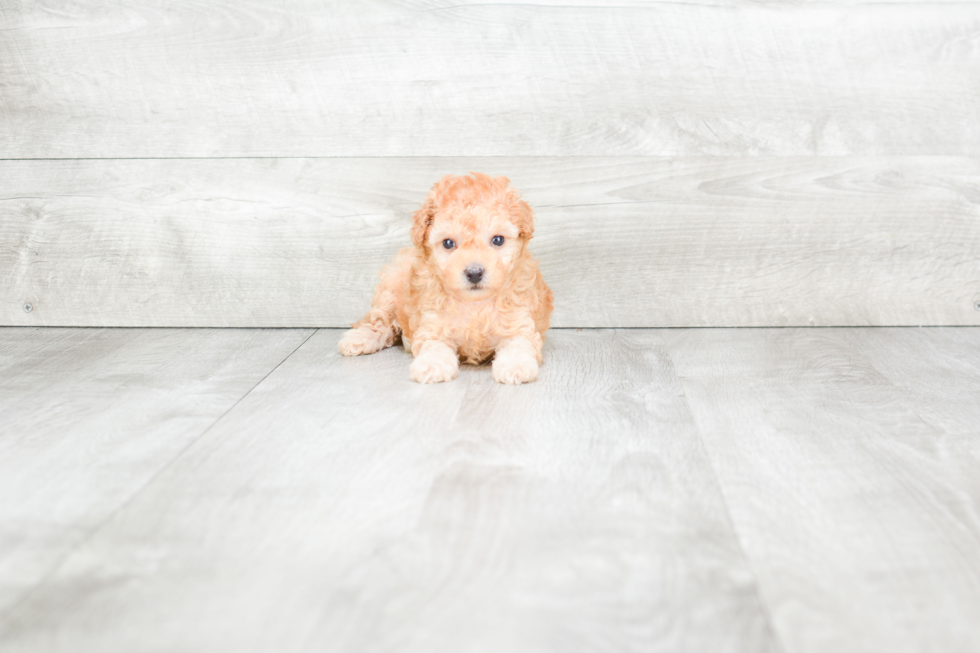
(474, 249)
(473, 230)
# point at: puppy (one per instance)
(467, 290)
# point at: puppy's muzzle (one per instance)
(474, 273)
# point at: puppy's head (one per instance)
(473, 230)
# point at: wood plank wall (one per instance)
(725, 163)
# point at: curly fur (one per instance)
(442, 316)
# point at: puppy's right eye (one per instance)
(448, 243)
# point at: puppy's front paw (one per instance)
(436, 362)
(432, 369)
(514, 368)
(363, 340)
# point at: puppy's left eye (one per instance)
(448, 243)
(498, 240)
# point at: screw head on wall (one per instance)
(28, 307)
(976, 304)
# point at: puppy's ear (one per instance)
(524, 219)
(522, 215)
(422, 219)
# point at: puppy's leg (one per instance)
(378, 329)
(374, 331)
(366, 338)
(435, 362)
(516, 359)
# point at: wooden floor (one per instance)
(655, 490)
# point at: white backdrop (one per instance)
(691, 164)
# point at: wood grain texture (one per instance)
(637, 242)
(400, 78)
(939, 371)
(853, 483)
(90, 416)
(341, 507)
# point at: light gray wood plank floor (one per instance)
(656, 490)
(90, 416)
(850, 461)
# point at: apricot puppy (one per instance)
(466, 290)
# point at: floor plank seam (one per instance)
(8, 618)
(759, 593)
(777, 643)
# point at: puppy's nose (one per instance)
(474, 273)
